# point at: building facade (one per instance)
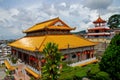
(29, 48)
(100, 31)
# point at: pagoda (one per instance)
(100, 31)
(73, 48)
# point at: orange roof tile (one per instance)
(10, 67)
(30, 43)
(47, 24)
(99, 20)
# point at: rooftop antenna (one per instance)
(98, 12)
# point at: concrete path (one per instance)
(2, 73)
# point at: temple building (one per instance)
(29, 48)
(100, 31)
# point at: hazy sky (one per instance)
(18, 15)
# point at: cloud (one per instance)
(81, 16)
(15, 20)
(113, 9)
(63, 4)
(98, 4)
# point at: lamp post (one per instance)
(38, 62)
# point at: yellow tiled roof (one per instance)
(28, 43)
(31, 43)
(7, 64)
(47, 24)
(32, 72)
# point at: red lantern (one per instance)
(65, 56)
(78, 54)
(43, 60)
(13, 50)
(91, 52)
(30, 58)
(36, 60)
(85, 52)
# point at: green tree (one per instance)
(110, 61)
(114, 21)
(51, 70)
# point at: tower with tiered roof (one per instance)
(100, 30)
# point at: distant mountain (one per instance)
(80, 32)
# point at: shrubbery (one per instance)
(110, 61)
(14, 60)
(77, 73)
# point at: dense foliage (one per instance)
(90, 71)
(14, 60)
(110, 62)
(114, 21)
(51, 70)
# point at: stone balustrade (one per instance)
(11, 62)
(35, 70)
(82, 62)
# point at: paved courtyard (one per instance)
(2, 73)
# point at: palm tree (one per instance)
(51, 70)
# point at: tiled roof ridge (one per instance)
(42, 22)
(99, 20)
(48, 20)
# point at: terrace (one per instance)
(21, 70)
(84, 62)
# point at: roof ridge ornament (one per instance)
(99, 20)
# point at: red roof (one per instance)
(99, 20)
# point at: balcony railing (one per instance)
(11, 62)
(33, 69)
(83, 62)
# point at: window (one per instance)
(97, 31)
(96, 36)
(73, 56)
